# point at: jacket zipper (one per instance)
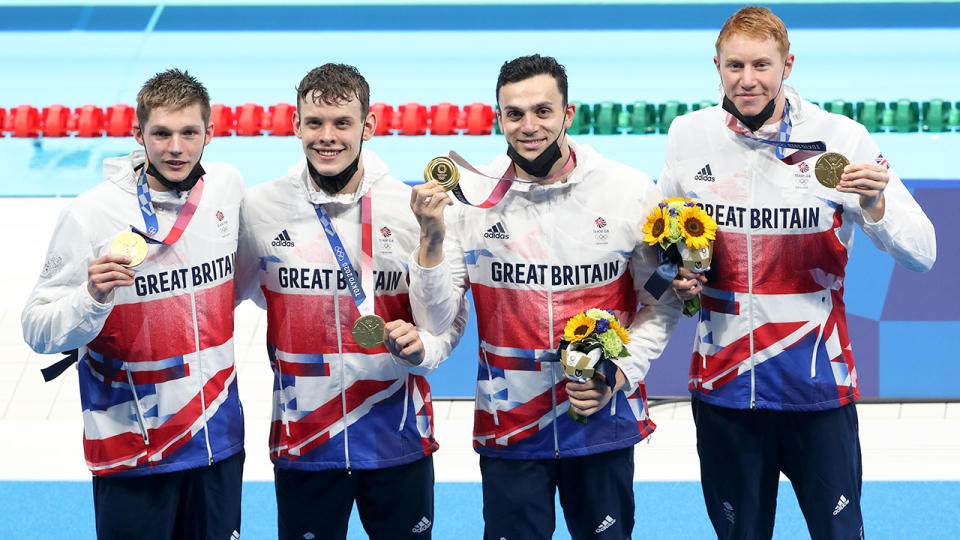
(196, 342)
(753, 378)
(553, 348)
(343, 390)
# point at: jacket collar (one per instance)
(373, 170)
(798, 114)
(122, 172)
(587, 161)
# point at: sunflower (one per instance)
(698, 227)
(656, 226)
(578, 327)
(620, 331)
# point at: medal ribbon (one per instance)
(803, 150)
(150, 216)
(503, 183)
(360, 289)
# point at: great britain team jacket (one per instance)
(541, 255)
(337, 405)
(773, 328)
(156, 363)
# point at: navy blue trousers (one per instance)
(596, 493)
(742, 453)
(201, 503)
(393, 503)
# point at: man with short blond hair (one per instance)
(772, 375)
(138, 286)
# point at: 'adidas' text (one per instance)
(705, 175)
(282, 239)
(497, 231)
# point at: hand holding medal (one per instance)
(113, 270)
(868, 180)
(444, 171)
(428, 200)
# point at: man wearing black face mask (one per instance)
(772, 375)
(323, 250)
(567, 240)
(148, 316)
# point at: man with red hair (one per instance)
(772, 374)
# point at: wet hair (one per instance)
(525, 67)
(334, 84)
(172, 89)
(757, 23)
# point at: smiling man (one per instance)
(149, 315)
(772, 374)
(566, 239)
(323, 249)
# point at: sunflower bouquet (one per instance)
(590, 339)
(685, 234)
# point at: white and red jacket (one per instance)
(773, 329)
(337, 405)
(157, 378)
(543, 254)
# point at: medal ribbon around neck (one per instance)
(804, 150)
(360, 289)
(150, 216)
(504, 182)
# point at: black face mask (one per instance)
(334, 183)
(541, 165)
(184, 185)
(753, 121)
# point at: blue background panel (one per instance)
(919, 359)
(929, 296)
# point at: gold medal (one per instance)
(444, 171)
(829, 168)
(368, 331)
(132, 245)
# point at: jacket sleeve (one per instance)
(437, 294)
(247, 278)
(904, 231)
(60, 313)
(652, 325)
(437, 347)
